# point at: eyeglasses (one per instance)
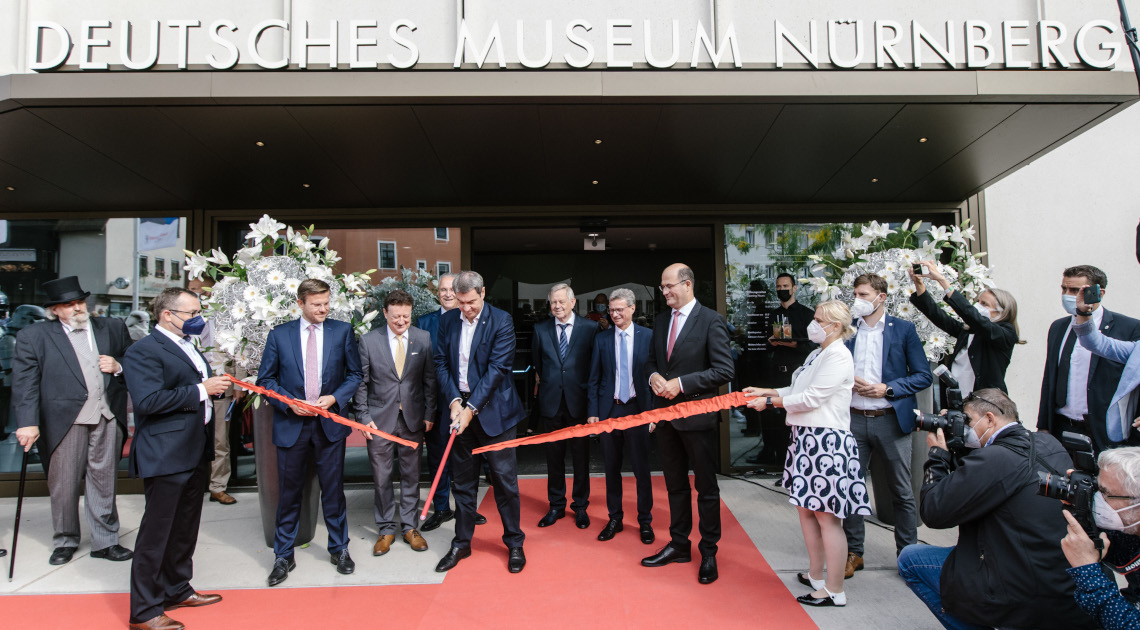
(619, 309)
(669, 287)
(192, 314)
(975, 398)
(1106, 495)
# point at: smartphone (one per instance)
(1092, 294)
(918, 269)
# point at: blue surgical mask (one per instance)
(193, 326)
(1069, 303)
(600, 308)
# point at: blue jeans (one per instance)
(921, 568)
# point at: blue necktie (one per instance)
(562, 345)
(623, 371)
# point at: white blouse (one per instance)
(820, 393)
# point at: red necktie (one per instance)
(672, 335)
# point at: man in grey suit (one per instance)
(397, 395)
(68, 392)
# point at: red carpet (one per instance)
(570, 580)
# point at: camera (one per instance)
(1078, 487)
(953, 424)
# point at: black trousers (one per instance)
(465, 478)
(636, 439)
(164, 548)
(556, 463)
(680, 452)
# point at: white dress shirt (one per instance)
(569, 327)
(1078, 403)
(320, 332)
(187, 347)
(820, 393)
(963, 370)
(628, 356)
(868, 358)
(466, 336)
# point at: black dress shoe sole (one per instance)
(707, 579)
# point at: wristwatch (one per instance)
(768, 401)
(890, 392)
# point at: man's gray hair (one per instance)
(1127, 461)
(445, 276)
(561, 286)
(467, 281)
(623, 294)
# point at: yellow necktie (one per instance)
(400, 356)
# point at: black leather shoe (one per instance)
(480, 519)
(61, 555)
(581, 519)
(551, 517)
(3, 552)
(439, 517)
(452, 558)
(666, 555)
(516, 560)
(808, 600)
(647, 536)
(281, 569)
(707, 574)
(343, 562)
(610, 530)
(114, 553)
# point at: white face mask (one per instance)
(817, 333)
(1105, 516)
(973, 440)
(862, 308)
(1069, 303)
(984, 310)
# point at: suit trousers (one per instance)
(164, 549)
(556, 463)
(883, 434)
(87, 450)
(435, 441)
(292, 463)
(680, 451)
(220, 468)
(636, 439)
(504, 478)
(385, 456)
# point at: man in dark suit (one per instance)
(397, 395)
(171, 384)
(314, 359)
(68, 392)
(1078, 386)
(473, 366)
(689, 359)
(890, 367)
(561, 357)
(618, 388)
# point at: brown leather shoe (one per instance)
(161, 622)
(416, 541)
(196, 600)
(854, 563)
(222, 497)
(383, 544)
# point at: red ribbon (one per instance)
(664, 414)
(320, 412)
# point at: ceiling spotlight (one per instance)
(259, 143)
(922, 139)
(874, 180)
(595, 182)
(597, 141)
(11, 188)
(306, 185)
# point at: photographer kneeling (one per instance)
(1005, 570)
(1113, 509)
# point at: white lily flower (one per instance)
(218, 257)
(266, 228)
(324, 244)
(876, 230)
(195, 266)
(370, 316)
(939, 234)
(246, 255)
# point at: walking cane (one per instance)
(434, 484)
(19, 505)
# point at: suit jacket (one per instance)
(702, 358)
(563, 379)
(993, 341)
(1122, 409)
(48, 388)
(429, 323)
(171, 435)
(489, 367)
(382, 393)
(905, 367)
(603, 371)
(1104, 374)
(283, 370)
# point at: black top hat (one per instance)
(64, 290)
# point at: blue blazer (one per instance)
(282, 370)
(429, 322)
(603, 372)
(171, 435)
(563, 378)
(1122, 409)
(488, 371)
(905, 367)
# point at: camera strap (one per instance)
(1031, 454)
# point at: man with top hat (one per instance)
(68, 392)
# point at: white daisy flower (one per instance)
(238, 310)
(275, 277)
(250, 294)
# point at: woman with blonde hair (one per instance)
(821, 471)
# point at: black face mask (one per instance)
(784, 294)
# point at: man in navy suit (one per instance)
(473, 361)
(890, 367)
(171, 384)
(561, 357)
(619, 387)
(314, 359)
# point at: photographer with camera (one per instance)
(1113, 510)
(986, 331)
(1004, 570)
(1120, 421)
